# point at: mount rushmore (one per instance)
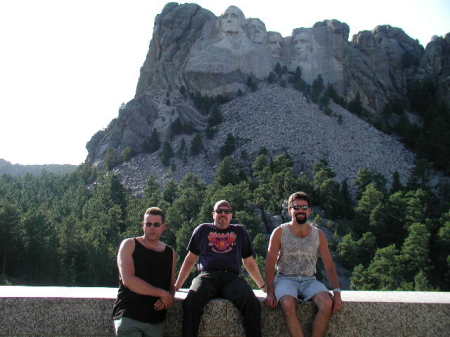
(229, 61)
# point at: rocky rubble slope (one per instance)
(283, 121)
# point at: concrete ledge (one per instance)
(83, 312)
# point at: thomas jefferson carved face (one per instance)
(256, 30)
(232, 20)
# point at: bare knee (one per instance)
(324, 303)
(288, 304)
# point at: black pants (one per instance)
(208, 285)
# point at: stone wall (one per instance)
(82, 312)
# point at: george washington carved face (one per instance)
(232, 20)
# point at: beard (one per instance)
(301, 218)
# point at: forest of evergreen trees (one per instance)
(65, 230)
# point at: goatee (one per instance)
(301, 218)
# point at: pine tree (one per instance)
(128, 153)
(170, 191)
(166, 154)
(153, 143)
(228, 172)
(317, 88)
(384, 273)
(215, 117)
(9, 220)
(396, 183)
(354, 252)
(152, 191)
(370, 199)
(272, 78)
(182, 151)
(196, 145)
(365, 177)
(278, 69)
(112, 159)
(228, 147)
(251, 83)
(355, 105)
(414, 254)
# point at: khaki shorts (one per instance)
(127, 327)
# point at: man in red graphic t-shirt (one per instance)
(220, 248)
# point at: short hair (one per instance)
(220, 203)
(298, 196)
(156, 211)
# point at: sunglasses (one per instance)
(154, 224)
(297, 208)
(223, 211)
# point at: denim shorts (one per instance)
(302, 287)
(127, 327)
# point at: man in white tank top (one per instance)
(294, 248)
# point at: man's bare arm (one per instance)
(189, 261)
(127, 272)
(271, 260)
(160, 304)
(252, 267)
(330, 270)
(174, 273)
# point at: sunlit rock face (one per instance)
(256, 30)
(193, 51)
(276, 44)
(230, 49)
(387, 61)
(175, 30)
(212, 55)
(320, 50)
(436, 64)
(192, 47)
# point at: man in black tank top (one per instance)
(146, 284)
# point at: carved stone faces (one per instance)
(256, 30)
(232, 21)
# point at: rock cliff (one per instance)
(200, 65)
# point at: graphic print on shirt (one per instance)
(221, 242)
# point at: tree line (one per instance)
(65, 230)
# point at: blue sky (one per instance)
(66, 66)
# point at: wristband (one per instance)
(337, 290)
